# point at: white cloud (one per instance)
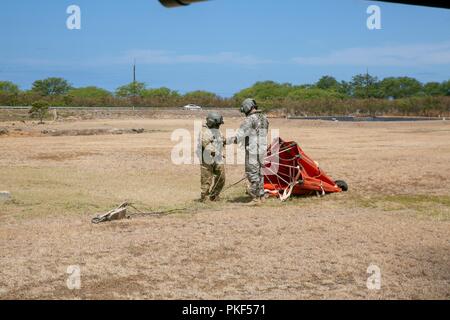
(407, 55)
(170, 57)
(143, 57)
(393, 55)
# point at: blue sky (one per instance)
(220, 46)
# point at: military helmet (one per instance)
(248, 105)
(214, 120)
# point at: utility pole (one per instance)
(367, 83)
(134, 82)
(134, 72)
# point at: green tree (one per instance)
(433, 89)
(445, 88)
(132, 89)
(345, 88)
(200, 94)
(90, 92)
(9, 87)
(313, 93)
(51, 87)
(266, 90)
(327, 83)
(365, 86)
(39, 110)
(160, 93)
(9, 93)
(400, 87)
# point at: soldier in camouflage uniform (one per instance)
(212, 164)
(253, 134)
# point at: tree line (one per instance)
(364, 94)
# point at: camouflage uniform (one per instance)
(253, 134)
(212, 164)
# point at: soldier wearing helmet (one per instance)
(212, 164)
(253, 135)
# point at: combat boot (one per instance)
(255, 202)
(215, 198)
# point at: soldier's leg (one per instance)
(219, 181)
(206, 178)
(253, 172)
(261, 191)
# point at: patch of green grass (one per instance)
(433, 206)
(425, 205)
(39, 192)
(413, 200)
(43, 191)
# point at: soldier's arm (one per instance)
(242, 132)
(204, 140)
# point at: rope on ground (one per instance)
(155, 213)
(234, 184)
(120, 212)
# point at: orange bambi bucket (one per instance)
(290, 171)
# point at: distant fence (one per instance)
(88, 108)
(363, 119)
(19, 113)
(114, 108)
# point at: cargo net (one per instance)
(289, 171)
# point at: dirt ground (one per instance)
(396, 216)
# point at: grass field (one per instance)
(396, 215)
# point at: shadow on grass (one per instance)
(293, 199)
(240, 199)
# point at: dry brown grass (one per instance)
(396, 215)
